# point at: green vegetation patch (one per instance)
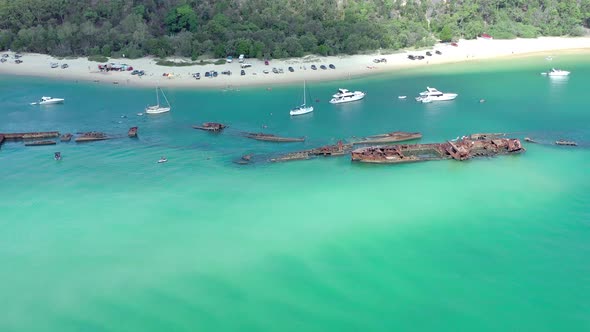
(98, 58)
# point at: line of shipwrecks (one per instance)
(41, 138)
(466, 147)
(386, 148)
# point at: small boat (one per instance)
(40, 143)
(432, 94)
(139, 114)
(273, 138)
(48, 101)
(530, 140)
(162, 160)
(345, 96)
(557, 72)
(211, 126)
(57, 156)
(303, 109)
(132, 132)
(158, 109)
(401, 97)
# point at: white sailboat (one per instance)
(158, 109)
(303, 109)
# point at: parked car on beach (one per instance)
(64, 66)
(314, 67)
(291, 69)
(332, 66)
(54, 65)
(323, 67)
(242, 72)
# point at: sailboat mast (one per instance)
(157, 97)
(303, 92)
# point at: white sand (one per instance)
(346, 66)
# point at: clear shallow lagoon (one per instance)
(107, 239)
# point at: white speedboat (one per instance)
(303, 109)
(162, 160)
(345, 96)
(158, 109)
(432, 94)
(48, 101)
(401, 97)
(558, 72)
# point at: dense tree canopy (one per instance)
(271, 28)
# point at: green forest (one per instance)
(272, 28)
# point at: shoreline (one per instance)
(347, 66)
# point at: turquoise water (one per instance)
(109, 240)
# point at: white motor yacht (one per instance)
(48, 101)
(432, 94)
(345, 96)
(558, 72)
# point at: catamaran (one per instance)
(158, 109)
(303, 109)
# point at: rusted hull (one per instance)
(132, 132)
(40, 143)
(66, 138)
(32, 135)
(211, 126)
(463, 149)
(91, 137)
(393, 137)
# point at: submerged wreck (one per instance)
(568, 143)
(273, 138)
(65, 137)
(467, 147)
(211, 126)
(396, 136)
(30, 135)
(338, 149)
(91, 136)
(132, 132)
(40, 143)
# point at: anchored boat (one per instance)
(48, 101)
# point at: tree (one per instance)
(446, 34)
(182, 18)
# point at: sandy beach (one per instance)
(81, 69)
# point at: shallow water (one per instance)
(108, 239)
